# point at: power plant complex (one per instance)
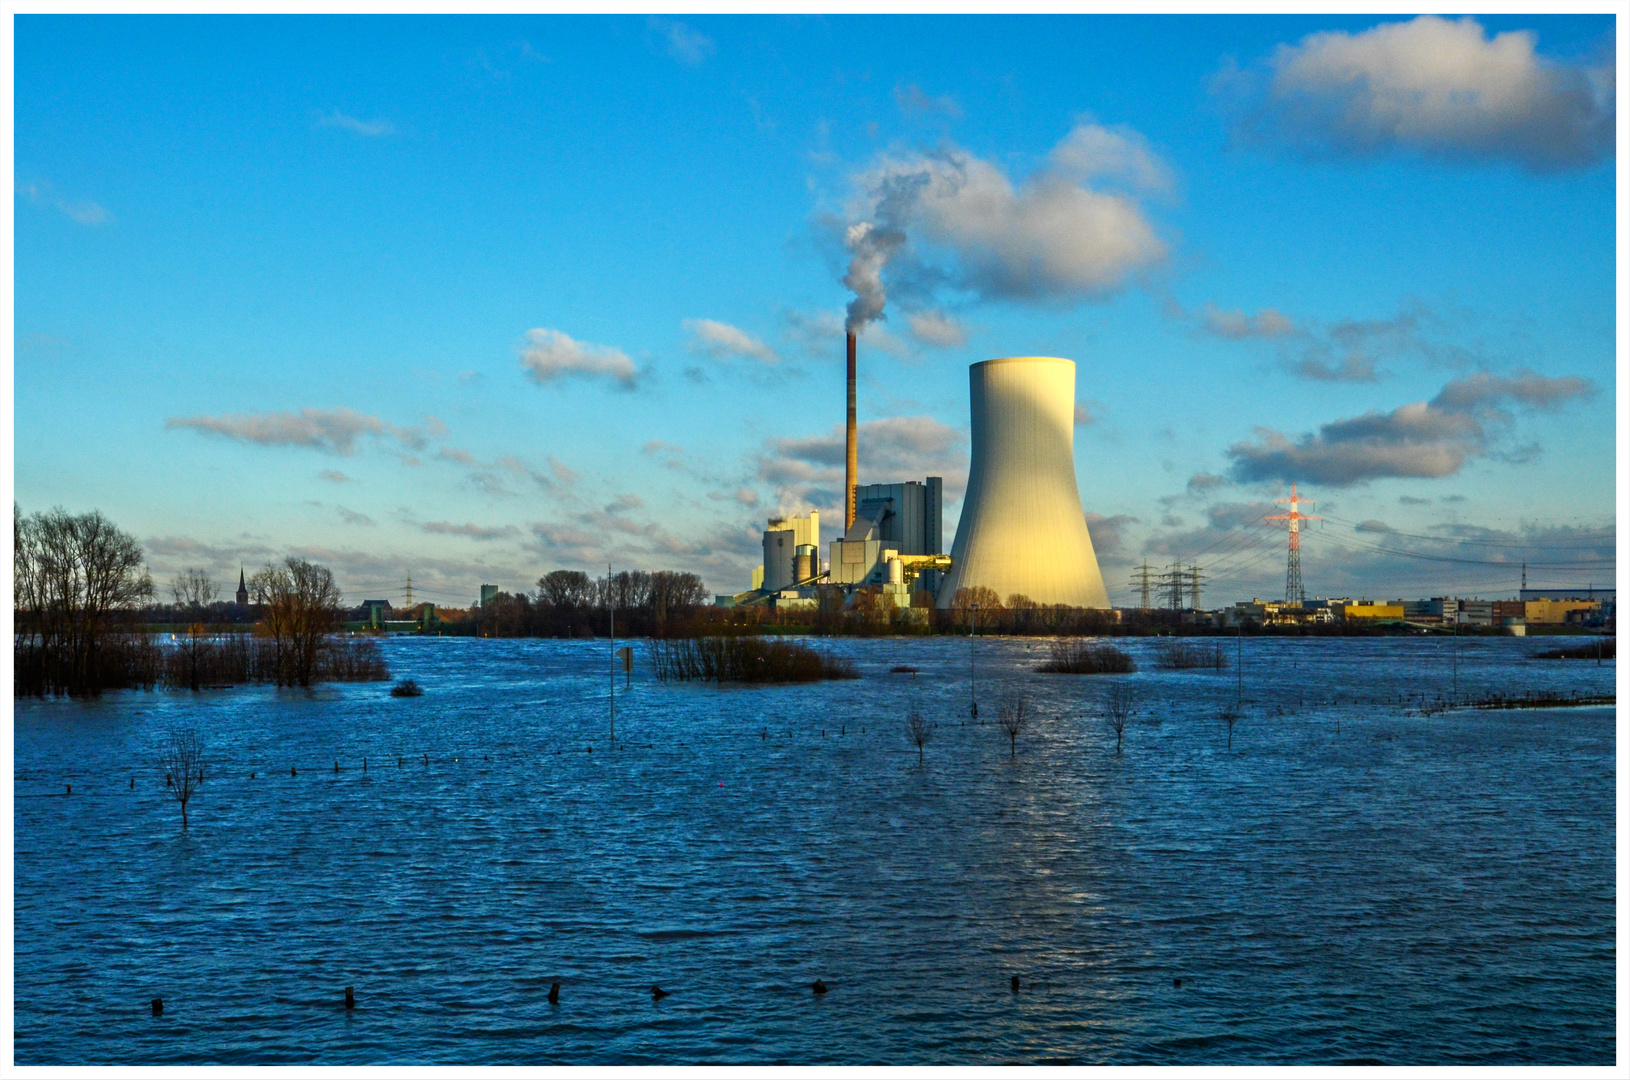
(1022, 530)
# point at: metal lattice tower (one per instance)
(1293, 567)
(1143, 580)
(1195, 578)
(1172, 585)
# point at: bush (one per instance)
(745, 660)
(1176, 654)
(407, 688)
(1081, 656)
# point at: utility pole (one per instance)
(1141, 581)
(973, 698)
(1172, 586)
(611, 671)
(1293, 566)
(1194, 586)
(410, 590)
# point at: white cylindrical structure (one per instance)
(897, 572)
(1022, 529)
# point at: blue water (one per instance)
(1409, 889)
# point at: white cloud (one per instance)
(938, 329)
(685, 44)
(1427, 439)
(370, 129)
(1072, 231)
(82, 211)
(720, 340)
(1434, 87)
(1237, 326)
(471, 531)
(1083, 415)
(334, 476)
(551, 355)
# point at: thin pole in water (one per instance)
(973, 698)
(611, 672)
(1239, 665)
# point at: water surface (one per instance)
(1407, 889)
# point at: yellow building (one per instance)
(1556, 611)
(1364, 609)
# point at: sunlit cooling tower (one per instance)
(1022, 529)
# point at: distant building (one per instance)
(488, 592)
(790, 547)
(243, 589)
(1359, 610)
(905, 518)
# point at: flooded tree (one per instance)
(72, 577)
(302, 609)
(918, 731)
(193, 592)
(182, 758)
(1118, 709)
(1011, 715)
(1230, 716)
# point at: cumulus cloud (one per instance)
(551, 355)
(370, 129)
(1238, 326)
(1204, 483)
(1427, 439)
(937, 329)
(684, 44)
(333, 430)
(1074, 230)
(721, 340)
(1106, 532)
(82, 211)
(1434, 87)
(809, 471)
(470, 530)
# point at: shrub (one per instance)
(1081, 656)
(1177, 654)
(745, 660)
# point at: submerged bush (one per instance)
(745, 660)
(1082, 656)
(1177, 654)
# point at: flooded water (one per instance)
(1349, 882)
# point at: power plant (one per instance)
(1022, 529)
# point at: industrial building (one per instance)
(792, 548)
(1022, 529)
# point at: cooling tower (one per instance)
(1022, 530)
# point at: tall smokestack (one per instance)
(850, 462)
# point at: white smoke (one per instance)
(871, 247)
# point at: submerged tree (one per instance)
(1118, 709)
(182, 758)
(71, 576)
(918, 730)
(1011, 715)
(302, 608)
(193, 592)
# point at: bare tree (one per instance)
(182, 758)
(71, 575)
(1118, 709)
(1011, 715)
(1230, 716)
(302, 608)
(918, 730)
(193, 592)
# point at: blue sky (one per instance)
(475, 299)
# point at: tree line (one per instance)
(570, 603)
(78, 627)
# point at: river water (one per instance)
(1407, 889)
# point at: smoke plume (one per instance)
(871, 246)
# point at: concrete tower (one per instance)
(1022, 529)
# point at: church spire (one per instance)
(243, 588)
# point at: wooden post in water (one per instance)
(611, 673)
